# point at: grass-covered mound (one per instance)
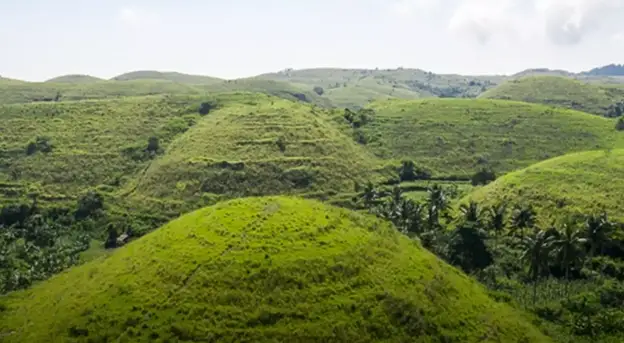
(559, 91)
(75, 78)
(460, 136)
(167, 76)
(580, 183)
(260, 270)
(258, 145)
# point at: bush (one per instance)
(409, 172)
(281, 144)
(41, 144)
(620, 124)
(206, 107)
(483, 177)
(319, 90)
(153, 145)
(89, 205)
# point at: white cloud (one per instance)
(136, 17)
(410, 8)
(560, 22)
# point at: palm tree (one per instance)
(598, 232)
(497, 219)
(437, 204)
(535, 251)
(568, 247)
(369, 195)
(471, 213)
(523, 218)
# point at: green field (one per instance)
(575, 184)
(261, 270)
(560, 91)
(456, 137)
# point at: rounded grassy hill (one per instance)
(75, 78)
(258, 145)
(559, 91)
(264, 270)
(579, 183)
(456, 137)
(167, 76)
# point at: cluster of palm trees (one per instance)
(461, 238)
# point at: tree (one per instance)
(369, 195)
(471, 213)
(598, 230)
(483, 177)
(281, 143)
(319, 90)
(153, 145)
(620, 124)
(89, 205)
(522, 219)
(437, 204)
(206, 107)
(535, 251)
(409, 172)
(467, 248)
(497, 219)
(111, 240)
(568, 247)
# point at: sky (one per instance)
(41, 39)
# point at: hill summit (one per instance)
(264, 270)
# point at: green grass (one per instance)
(579, 183)
(559, 91)
(460, 136)
(358, 87)
(167, 76)
(235, 151)
(264, 270)
(76, 78)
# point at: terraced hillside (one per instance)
(358, 87)
(580, 183)
(456, 137)
(258, 146)
(264, 270)
(560, 91)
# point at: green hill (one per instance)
(167, 76)
(75, 79)
(456, 137)
(258, 145)
(579, 183)
(264, 270)
(560, 91)
(358, 87)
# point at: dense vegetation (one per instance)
(457, 137)
(264, 269)
(565, 186)
(600, 99)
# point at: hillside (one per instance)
(608, 70)
(261, 270)
(559, 91)
(456, 137)
(258, 145)
(579, 183)
(75, 79)
(358, 87)
(167, 76)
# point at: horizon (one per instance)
(242, 38)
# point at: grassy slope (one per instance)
(75, 79)
(579, 183)
(559, 91)
(256, 270)
(459, 136)
(88, 139)
(168, 76)
(234, 151)
(357, 87)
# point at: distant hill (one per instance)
(265, 270)
(75, 79)
(580, 183)
(608, 70)
(543, 72)
(358, 87)
(565, 92)
(456, 137)
(168, 76)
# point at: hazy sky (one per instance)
(40, 39)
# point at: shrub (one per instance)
(281, 143)
(620, 124)
(89, 205)
(409, 172)
(41, 144)
(483, 177)
(153, 145)
(206, 107)
(319, 90)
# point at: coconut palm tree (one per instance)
(568, 247)
(471, 213)
(598, 232)
(437, 204)
(535, 251)
(369, 195)
(523, 218)
(497, 219)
